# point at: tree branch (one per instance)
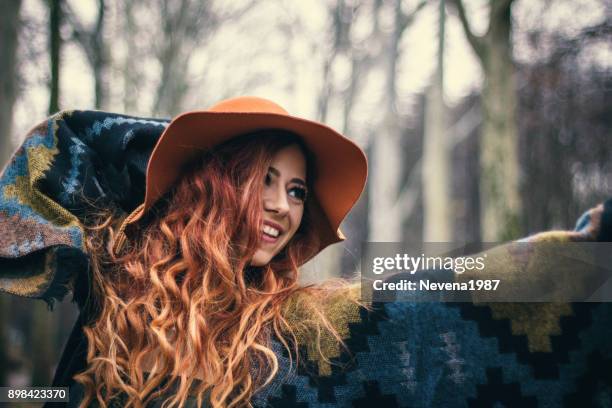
(461, 130)
(406, 19)
(79, 33)
(237, 14)
(100, 19)
(597, 31)
(407, 198)
(475, 41)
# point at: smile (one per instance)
(271, 231)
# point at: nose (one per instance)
(275, 200)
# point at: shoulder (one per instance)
(337, 301)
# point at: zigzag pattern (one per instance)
(107, 123)
(50, 181)
(433, 354)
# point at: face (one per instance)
(284, 195)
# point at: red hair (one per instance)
(183, 294)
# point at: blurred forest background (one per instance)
(483, 120)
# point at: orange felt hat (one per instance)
(341, 166)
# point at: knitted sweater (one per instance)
(402, 352)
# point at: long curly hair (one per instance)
(182, 297)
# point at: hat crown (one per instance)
(248, 104)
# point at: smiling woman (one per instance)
(189, 291)
(283, 202)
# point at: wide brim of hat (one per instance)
(341, 166)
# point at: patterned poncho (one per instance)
(400, 353)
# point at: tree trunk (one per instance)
(93, 44)
(499, 182)
(437, 223)
(130, 74)
(55, 46)
(174, 57)
(329, 263)
(10, 23)
(100, 59)
(172, 86)
(386, 169)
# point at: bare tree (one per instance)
(132, 77)
(184, 25)
(437, 223)
(499, 183)
(341, 16)
(55, 45)
(565, 109)
(386, 202)
(10, 23)
(380, 49)
(94, 46)
(362, 58)
(341, 19)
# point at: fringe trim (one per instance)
(68, 264)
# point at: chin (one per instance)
(260, 259)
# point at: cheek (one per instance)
(296, 219)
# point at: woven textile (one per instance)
(66, 165)
(401, 353)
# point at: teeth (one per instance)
(271, 231)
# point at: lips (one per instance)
(271, 231)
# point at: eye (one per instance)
(268, 179)
(299, 193)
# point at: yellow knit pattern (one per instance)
(537, 321)
(340, 310)
(514, 262)
(25, 189)
(29, 286)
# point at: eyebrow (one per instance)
(297, 180)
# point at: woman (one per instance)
(193, 298)
(203, 285)
(237, 198)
